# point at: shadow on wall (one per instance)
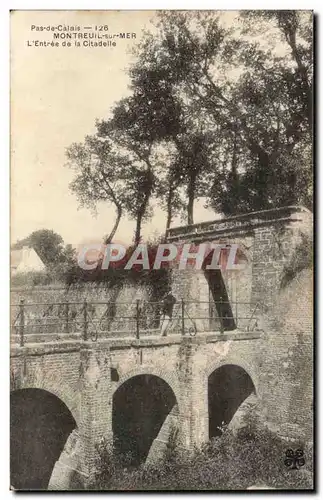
(219, 294)
(228, 387)
(40, 424)
(140, 407)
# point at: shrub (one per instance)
(32, 278)
(252, 456)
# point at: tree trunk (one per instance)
(169, 210)
(190, 204)
(235, 188)
(140, 216)
(304, 86)
(143, 206)
(138, 228)
(108, 239)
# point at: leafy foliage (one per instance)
(234, 461)
(220, 111)
(98, 168)
(253, 100)
(59, 259)
(157, 281)
(48, 245)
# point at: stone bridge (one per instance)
(67, 394)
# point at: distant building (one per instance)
(25, 260)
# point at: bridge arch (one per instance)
(140, 407)
(228, 386)
(60, 387)
(234, 357)
(40, 424)
(163, 372)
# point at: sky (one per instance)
(57, 93)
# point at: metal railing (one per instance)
(138, 318)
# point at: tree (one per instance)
(47, 244)
(139, 184)
(195, 164)
(114, 165)
(169, 181)
(137, 176)
(169, 197)
(98, 168)
(296, 29)
(166, 119)
(254, 102)
(232, 112)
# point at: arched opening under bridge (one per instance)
(40, 424)
(140, 407)
(228, 387)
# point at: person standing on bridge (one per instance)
(168, 302)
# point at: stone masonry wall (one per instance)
(268, 239)
(55, 370)
(118, 303)
(285, 354)
(80, 375)
(288, 375)
(278, 359)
